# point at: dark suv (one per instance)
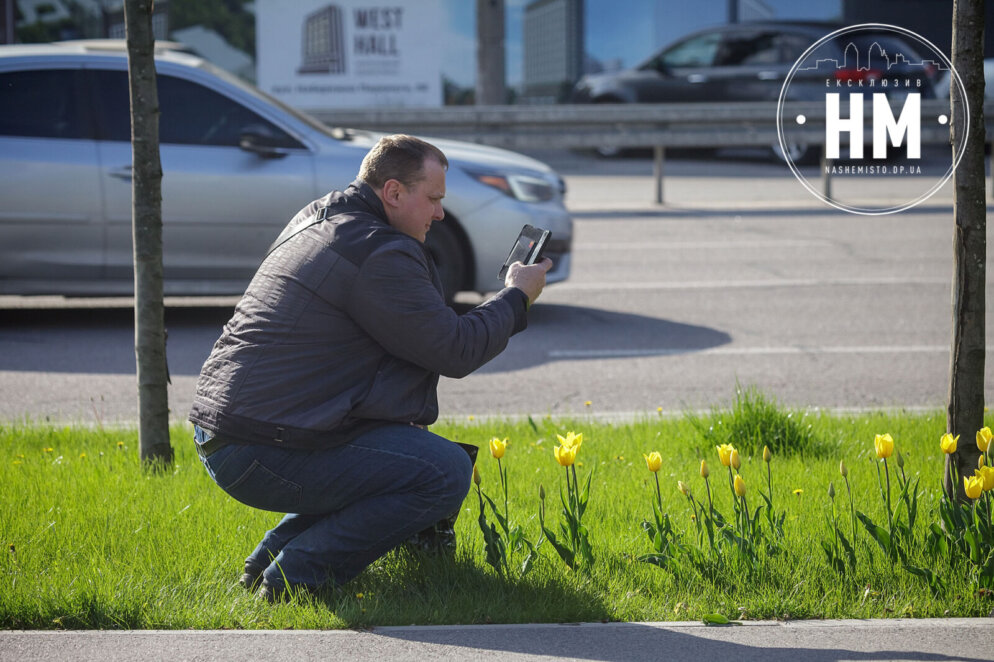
(736, 62)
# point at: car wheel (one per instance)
(800, 153)
(446, 248)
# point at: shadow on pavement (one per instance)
(101, 341)
(633, 642)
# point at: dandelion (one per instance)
(884, 445)
(948, 443)
(17, 462)
(653, 461)
(798, 492)
(725, 454)
(120, 444)
(587, 403)
(82, 456)
(984, 436)
(973, 486)
(659, 410)
(47, 450)
(497, 447)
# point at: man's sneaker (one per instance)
(273, 593)
(251, 577)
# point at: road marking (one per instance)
(745, 284)
(746, 351)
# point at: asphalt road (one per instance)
(742, 277)
(927, 640)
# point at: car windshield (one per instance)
(332, 132)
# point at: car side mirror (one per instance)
(260, 141)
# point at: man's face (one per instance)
(412, 209)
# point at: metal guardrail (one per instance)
(705, 125)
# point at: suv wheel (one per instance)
(450, 258)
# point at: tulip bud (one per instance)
(981, 462)
(948, 443)
(740, 486)
(843, 469)
(900, 460)
(541, 492)
(704, 469)
(682, 486)
(476, 475)
(734, 460)
(831, 490)
(767, 455)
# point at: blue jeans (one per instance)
(347, 505)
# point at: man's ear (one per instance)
(391, 192)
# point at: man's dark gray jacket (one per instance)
(344, 327)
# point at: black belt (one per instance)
(211, 446)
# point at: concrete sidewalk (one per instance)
(767, 641)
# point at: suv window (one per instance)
(748, 48)
(41, 103)
(191, 114)
(697, 51)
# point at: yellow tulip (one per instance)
(987, 474)
(734, 459)
(984, 439)
(725, 454)
(767, 455)
(843, 469)
(884, 444)
(682, 486)
(948, 443)
(476, 475)
(497, 447)
(704, 469)
(973, 486)
(571, 439)
(653, 461)
(566, 455)
(740, 486)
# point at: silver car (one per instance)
(237, 165)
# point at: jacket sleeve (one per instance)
(394, 300)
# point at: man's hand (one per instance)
(530, 279)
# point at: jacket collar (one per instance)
(363, 194)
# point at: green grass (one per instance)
(91, 540)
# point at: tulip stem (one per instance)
(852, 510)
(890, 514)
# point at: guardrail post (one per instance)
(657, 171)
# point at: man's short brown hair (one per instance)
(399, 157)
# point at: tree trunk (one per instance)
(146, 223)
(965, 413)
(490, 85)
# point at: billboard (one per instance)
(315, 54)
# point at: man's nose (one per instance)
(439, 213)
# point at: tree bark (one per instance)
(146, 223)
(965, 412)
(490, 83)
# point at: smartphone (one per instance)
(527, 248)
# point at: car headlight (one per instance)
(527, 188)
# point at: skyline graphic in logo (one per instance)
(865, 95)
(323, 42)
